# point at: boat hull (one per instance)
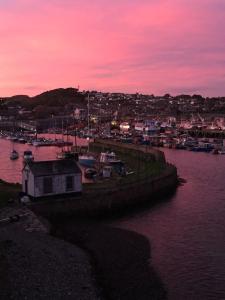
(87, 162)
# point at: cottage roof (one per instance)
(54, 167)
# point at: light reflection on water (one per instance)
(187, 233)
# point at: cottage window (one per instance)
(69, 183)
(47, 185)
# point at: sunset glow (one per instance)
(146, 46)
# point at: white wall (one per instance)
(59, 185)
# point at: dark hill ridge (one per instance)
(56, 97)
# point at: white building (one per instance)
(51, 178)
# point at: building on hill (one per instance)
(51, 178)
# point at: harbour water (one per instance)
(10, 171)
(186, 233)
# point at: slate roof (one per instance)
(54, 167)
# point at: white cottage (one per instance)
(51, 178)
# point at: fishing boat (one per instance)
(14, 155)
(206, 147)
(87, 160)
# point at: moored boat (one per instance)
(222, 151)
(108, 157)
(87, 160)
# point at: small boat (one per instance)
(87, 160)
(221, 151)
(22, 140)
(14, 155)
(28, 156)
(108, 157)
(90, 173)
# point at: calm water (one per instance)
(11, 170)
(187, 234)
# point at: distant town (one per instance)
(172, 121)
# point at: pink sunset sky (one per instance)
(146, 46)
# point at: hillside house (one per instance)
(51, 178)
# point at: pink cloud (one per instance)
(149, 46)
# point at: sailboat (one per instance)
(14, 154)
(87, 160)
(68, 153)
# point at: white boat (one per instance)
(87, 160)
(221, 151)
(14, 155)
(22, 140)
(28, 156)
(108, 157)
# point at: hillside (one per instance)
(57, 97)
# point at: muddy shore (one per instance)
(121, 259)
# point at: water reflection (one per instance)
(187, 234)
(11, 170)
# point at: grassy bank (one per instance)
(141, 165)
(8, 191)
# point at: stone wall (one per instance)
(103, 201)
(129, 149)
(100, 200)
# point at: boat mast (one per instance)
(62, 137)
(88, 116)
(88, 107)
(75, 132)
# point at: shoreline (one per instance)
(121, 259)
